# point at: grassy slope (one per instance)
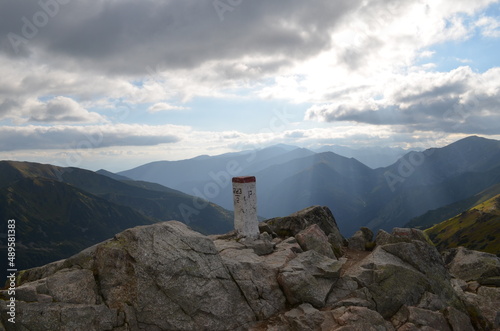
(477, 228)
(436, 216)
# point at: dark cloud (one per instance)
(79, 137)
(127, 36)
(6, 106)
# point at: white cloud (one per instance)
(163, 106)
(489, 26)
(61, 110)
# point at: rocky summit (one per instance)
(300, 274)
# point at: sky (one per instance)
(118, 83)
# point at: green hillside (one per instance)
(55, 220)
(477, 228)
(436, 216)
(60, 211)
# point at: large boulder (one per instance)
(401, 235)
(361, 239)
(159, 277)
(256, 275)
(322, 216)
(313, 238)
(307, 318)
(470, 265)
(309, 278)
(400, 274)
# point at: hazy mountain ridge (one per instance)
(373, 157)
(360, 196)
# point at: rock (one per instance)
(256, 277)
(344, 288)
(416, 318)
(408, 234)
(488, 301)
(431, 301)
(490, 281)
(49, 317)
(471, 286)
(382, 238)
(401, 235)
(355, 302)
(73, 286)
(361, 239)
(168, 277)
(291, 225)
(423, 317)
(308, 278)
(26, 293)
(458, 320)
(261, 246)
(459, 284)
(304, 317)
(82, 260)
(322, 216)
(265, 228)
(470, 265)
(162, 276)
(482, 307)
(360, 318)
(313, 238)
(418, 263)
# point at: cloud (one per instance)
(456, 101)
(87, 137)
(163, 106)
(113, 36)
(360, 63)
(489, 26)
(178, 50)
(62, 110)
(295, 134)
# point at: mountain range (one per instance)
(289, 179)
(60, 211)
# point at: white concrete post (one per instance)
(245, 206)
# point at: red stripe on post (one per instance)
(244, 179)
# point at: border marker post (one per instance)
(245, 206)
